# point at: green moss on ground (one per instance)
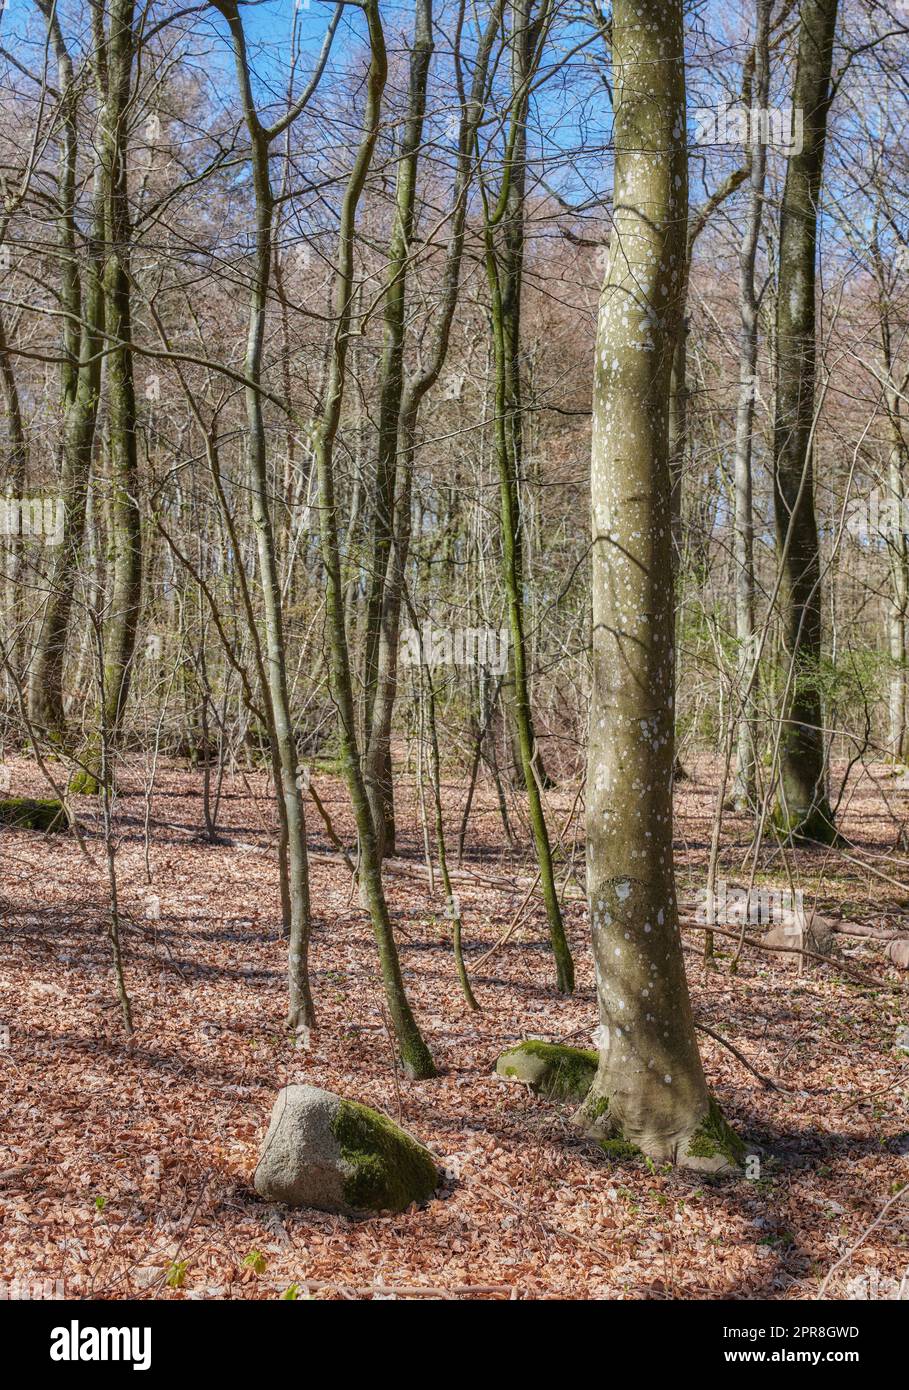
(550, 1069)
(23, 813)
(619, 1149)
(387, 1170)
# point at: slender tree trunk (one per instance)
(744, 784)
(896, 536)
(898, 613)
(125, 540)
(452, 905)
(293, 852)
(804, 810)
(81, 384)
(415, 1055)
(378, 751)
(505, 270)
(13, 485)
(650, 1088)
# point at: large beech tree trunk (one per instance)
(804, 810)
(649, 1088)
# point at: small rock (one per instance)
(898, 954)
(801, 932)
(902, 1040)
(326, 1152)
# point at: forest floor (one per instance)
(125, 1170)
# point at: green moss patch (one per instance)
(619, 1149)
(386, 1169)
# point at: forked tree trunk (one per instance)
(293, 857)
(650, 1088)
(804, 809)
(415, 388)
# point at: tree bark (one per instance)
(125, 539)
(378, 756)
(743, 524)
(82, 299)
(417, 386)
(504, 264)
(650, 1088)
(415, 1056)
(14, 476)
(301, 1011)
(804, 808)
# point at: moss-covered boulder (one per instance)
(323, 1151)
(22, 813)
(550, 1069)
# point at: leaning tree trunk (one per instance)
(650, 1088)
(804, 808)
